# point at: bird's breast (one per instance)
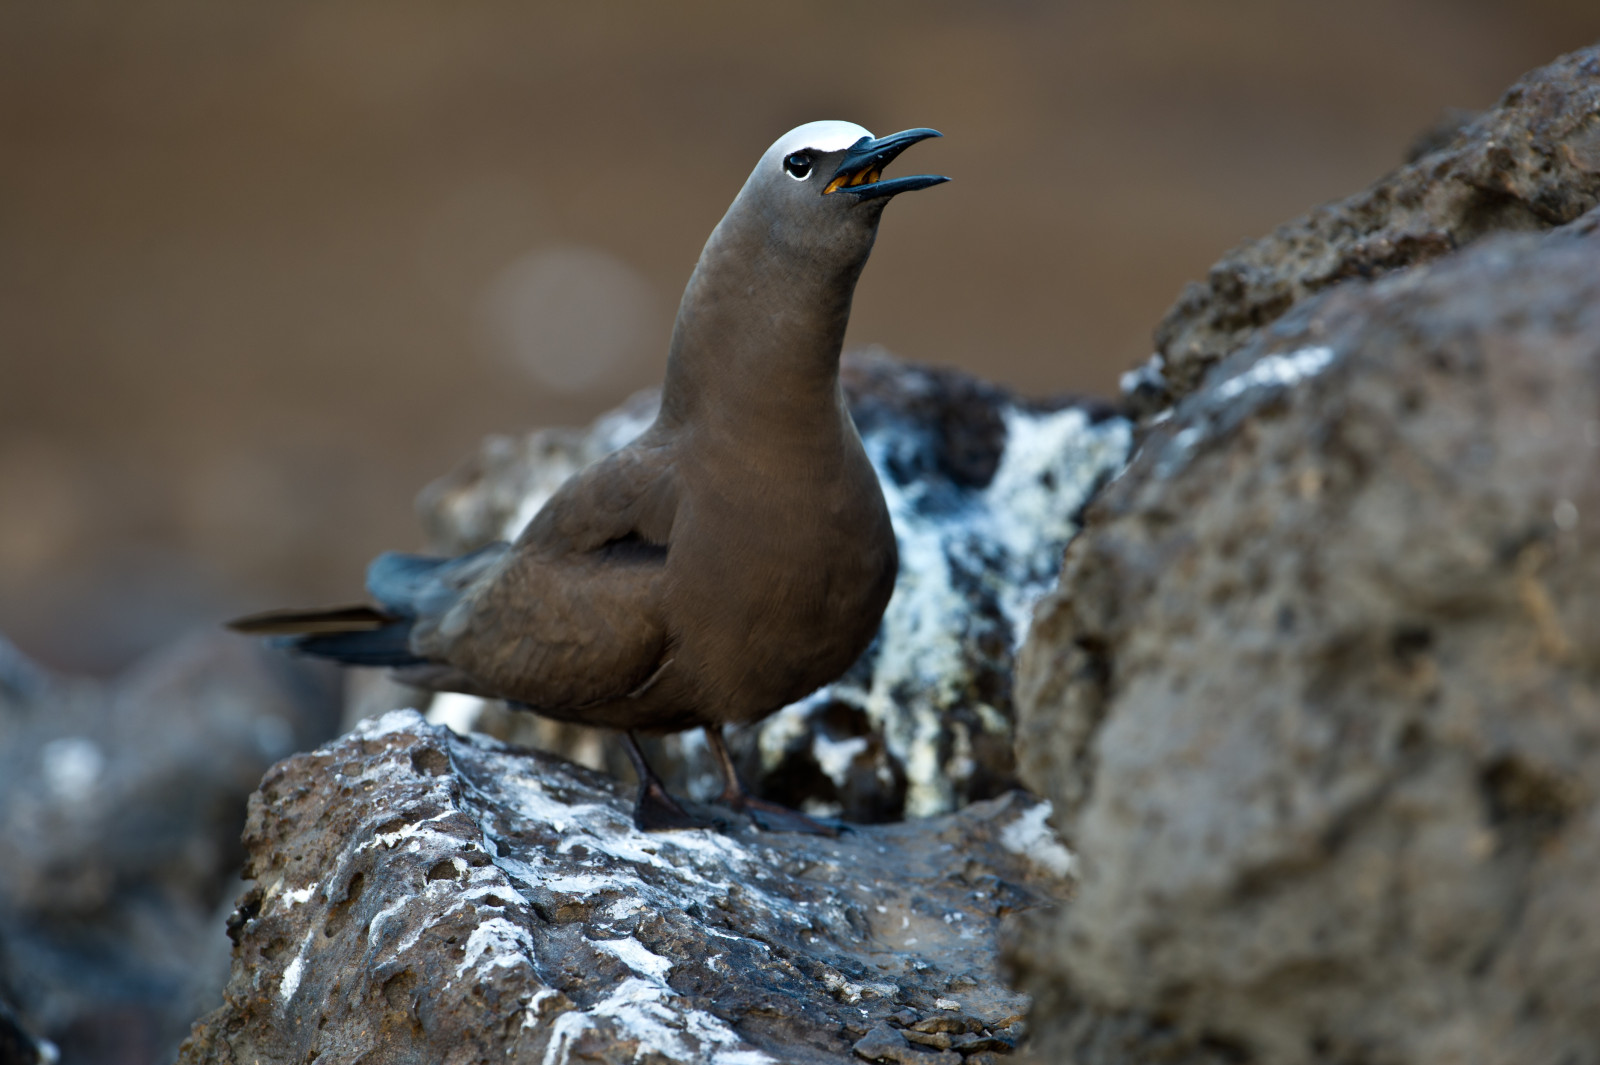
(777, 584)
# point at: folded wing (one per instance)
(570, 615)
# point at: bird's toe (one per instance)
(771, 817)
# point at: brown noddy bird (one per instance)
(734, 558)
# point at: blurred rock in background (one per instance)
(984, 490)
(121, 804)
(1317, 696)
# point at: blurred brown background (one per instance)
(266, 269)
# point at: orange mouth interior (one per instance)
(860, 177)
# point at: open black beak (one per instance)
(863, 165)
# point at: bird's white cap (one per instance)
(827, 136)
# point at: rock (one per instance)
(885, 1044)
(984, 490)
(1530, 163)
(120, 810)
(946, 1023)
(419, 896)
(1318, 697)
(1442, 133)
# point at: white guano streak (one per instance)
(1033, 838)
(1280, 370)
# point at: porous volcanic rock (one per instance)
(1530, 163)
(1318, 698)
(984, 490)
(121, 803)
(419, 896)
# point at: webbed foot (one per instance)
(657, 811)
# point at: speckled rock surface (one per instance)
(984, 490)
(120, 808)
(423, 897)
(1530, 163)
(1318, 698)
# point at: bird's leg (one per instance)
(769, 815)
(655, 809)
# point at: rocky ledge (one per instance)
(419, 896)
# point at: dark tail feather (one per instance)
(388, 646)
(310, 622)
(354, 635)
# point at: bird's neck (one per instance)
(756, 345)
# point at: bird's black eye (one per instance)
(798, 165)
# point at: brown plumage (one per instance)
(736, 556)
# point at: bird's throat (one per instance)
(758, 335)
